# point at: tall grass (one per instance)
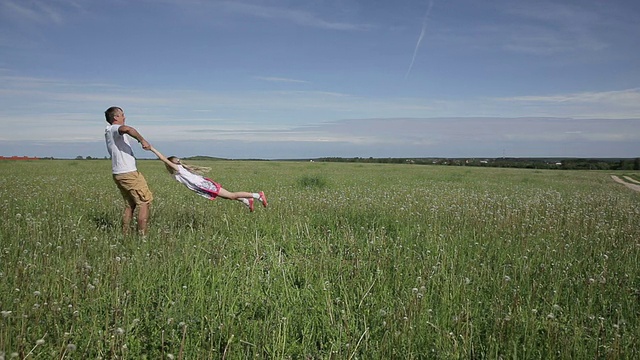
(349, 261)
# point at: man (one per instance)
(129, 180)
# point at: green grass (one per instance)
(349, 261)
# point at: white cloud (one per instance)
(40, 11)
(553, 13)
(56, 109)
(287, 12)
(621, 97)
(281, 79)
(444, 137)
(608, 104)
(295, 16)
(539, 28)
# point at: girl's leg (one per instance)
(225, 194)
(246, 198)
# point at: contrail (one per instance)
(424, 30)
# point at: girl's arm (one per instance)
(163, 158)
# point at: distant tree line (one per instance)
(528, 163)
(90, 158)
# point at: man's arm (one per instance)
(124, 129)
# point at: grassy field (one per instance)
(350, 261)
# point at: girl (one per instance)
(191, 177)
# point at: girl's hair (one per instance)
(200, 170)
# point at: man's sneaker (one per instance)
(250, 205)
(263, 198)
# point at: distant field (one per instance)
(350, 261)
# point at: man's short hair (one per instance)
(110, 113)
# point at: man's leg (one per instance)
(126, 218)
(136, 193)
(143, 218)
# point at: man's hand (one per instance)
(145, 145)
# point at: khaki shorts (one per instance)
(133, 188)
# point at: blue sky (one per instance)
(293, 79)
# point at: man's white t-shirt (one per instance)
(122, 159)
